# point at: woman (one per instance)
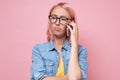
(61, 58)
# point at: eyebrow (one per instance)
(60, 16)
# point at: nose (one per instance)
(57, 22)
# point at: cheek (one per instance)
(65, 27)
(52, 26)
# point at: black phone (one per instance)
(68, 31)
(70, 26)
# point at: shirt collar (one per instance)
(51, 45)
(65, 46)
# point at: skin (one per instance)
(59, 33)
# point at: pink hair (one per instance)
(71, 12)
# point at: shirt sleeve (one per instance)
(38, 71)
(83, 62)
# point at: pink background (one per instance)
(23, 24)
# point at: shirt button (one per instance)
(57, 56)
(49, 64)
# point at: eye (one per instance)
(63, 18)
(53, 17)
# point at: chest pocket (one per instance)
(49, 66)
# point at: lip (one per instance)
(56, 28)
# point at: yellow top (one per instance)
(60, 71)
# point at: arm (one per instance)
(74, 71)
(37, 68)
(77, 64)
(83, 62)
(56, 78)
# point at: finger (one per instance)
(74, 25)
(71, 24)
(69, 28)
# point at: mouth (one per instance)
(57, 29)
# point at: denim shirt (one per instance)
(45, 60)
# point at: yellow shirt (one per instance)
(60, 71)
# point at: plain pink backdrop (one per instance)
(23, 24)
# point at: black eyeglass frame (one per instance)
(60, 18)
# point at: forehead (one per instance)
(59, 11)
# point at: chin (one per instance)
(59, 35)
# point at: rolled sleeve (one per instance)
(38, 71)
(83, 62)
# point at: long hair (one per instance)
(71, 12)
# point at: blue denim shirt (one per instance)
(45, 60)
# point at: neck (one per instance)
(58, 42)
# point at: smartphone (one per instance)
(68, 31)
(70, 26)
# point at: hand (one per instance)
(73, 33)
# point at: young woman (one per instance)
(61, 58)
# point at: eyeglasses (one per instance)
(62, 19)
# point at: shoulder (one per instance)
(41, 46)
(82, 50)
(81, 47)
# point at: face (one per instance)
(58, 20)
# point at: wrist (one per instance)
(74, 43)
(74, 46)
